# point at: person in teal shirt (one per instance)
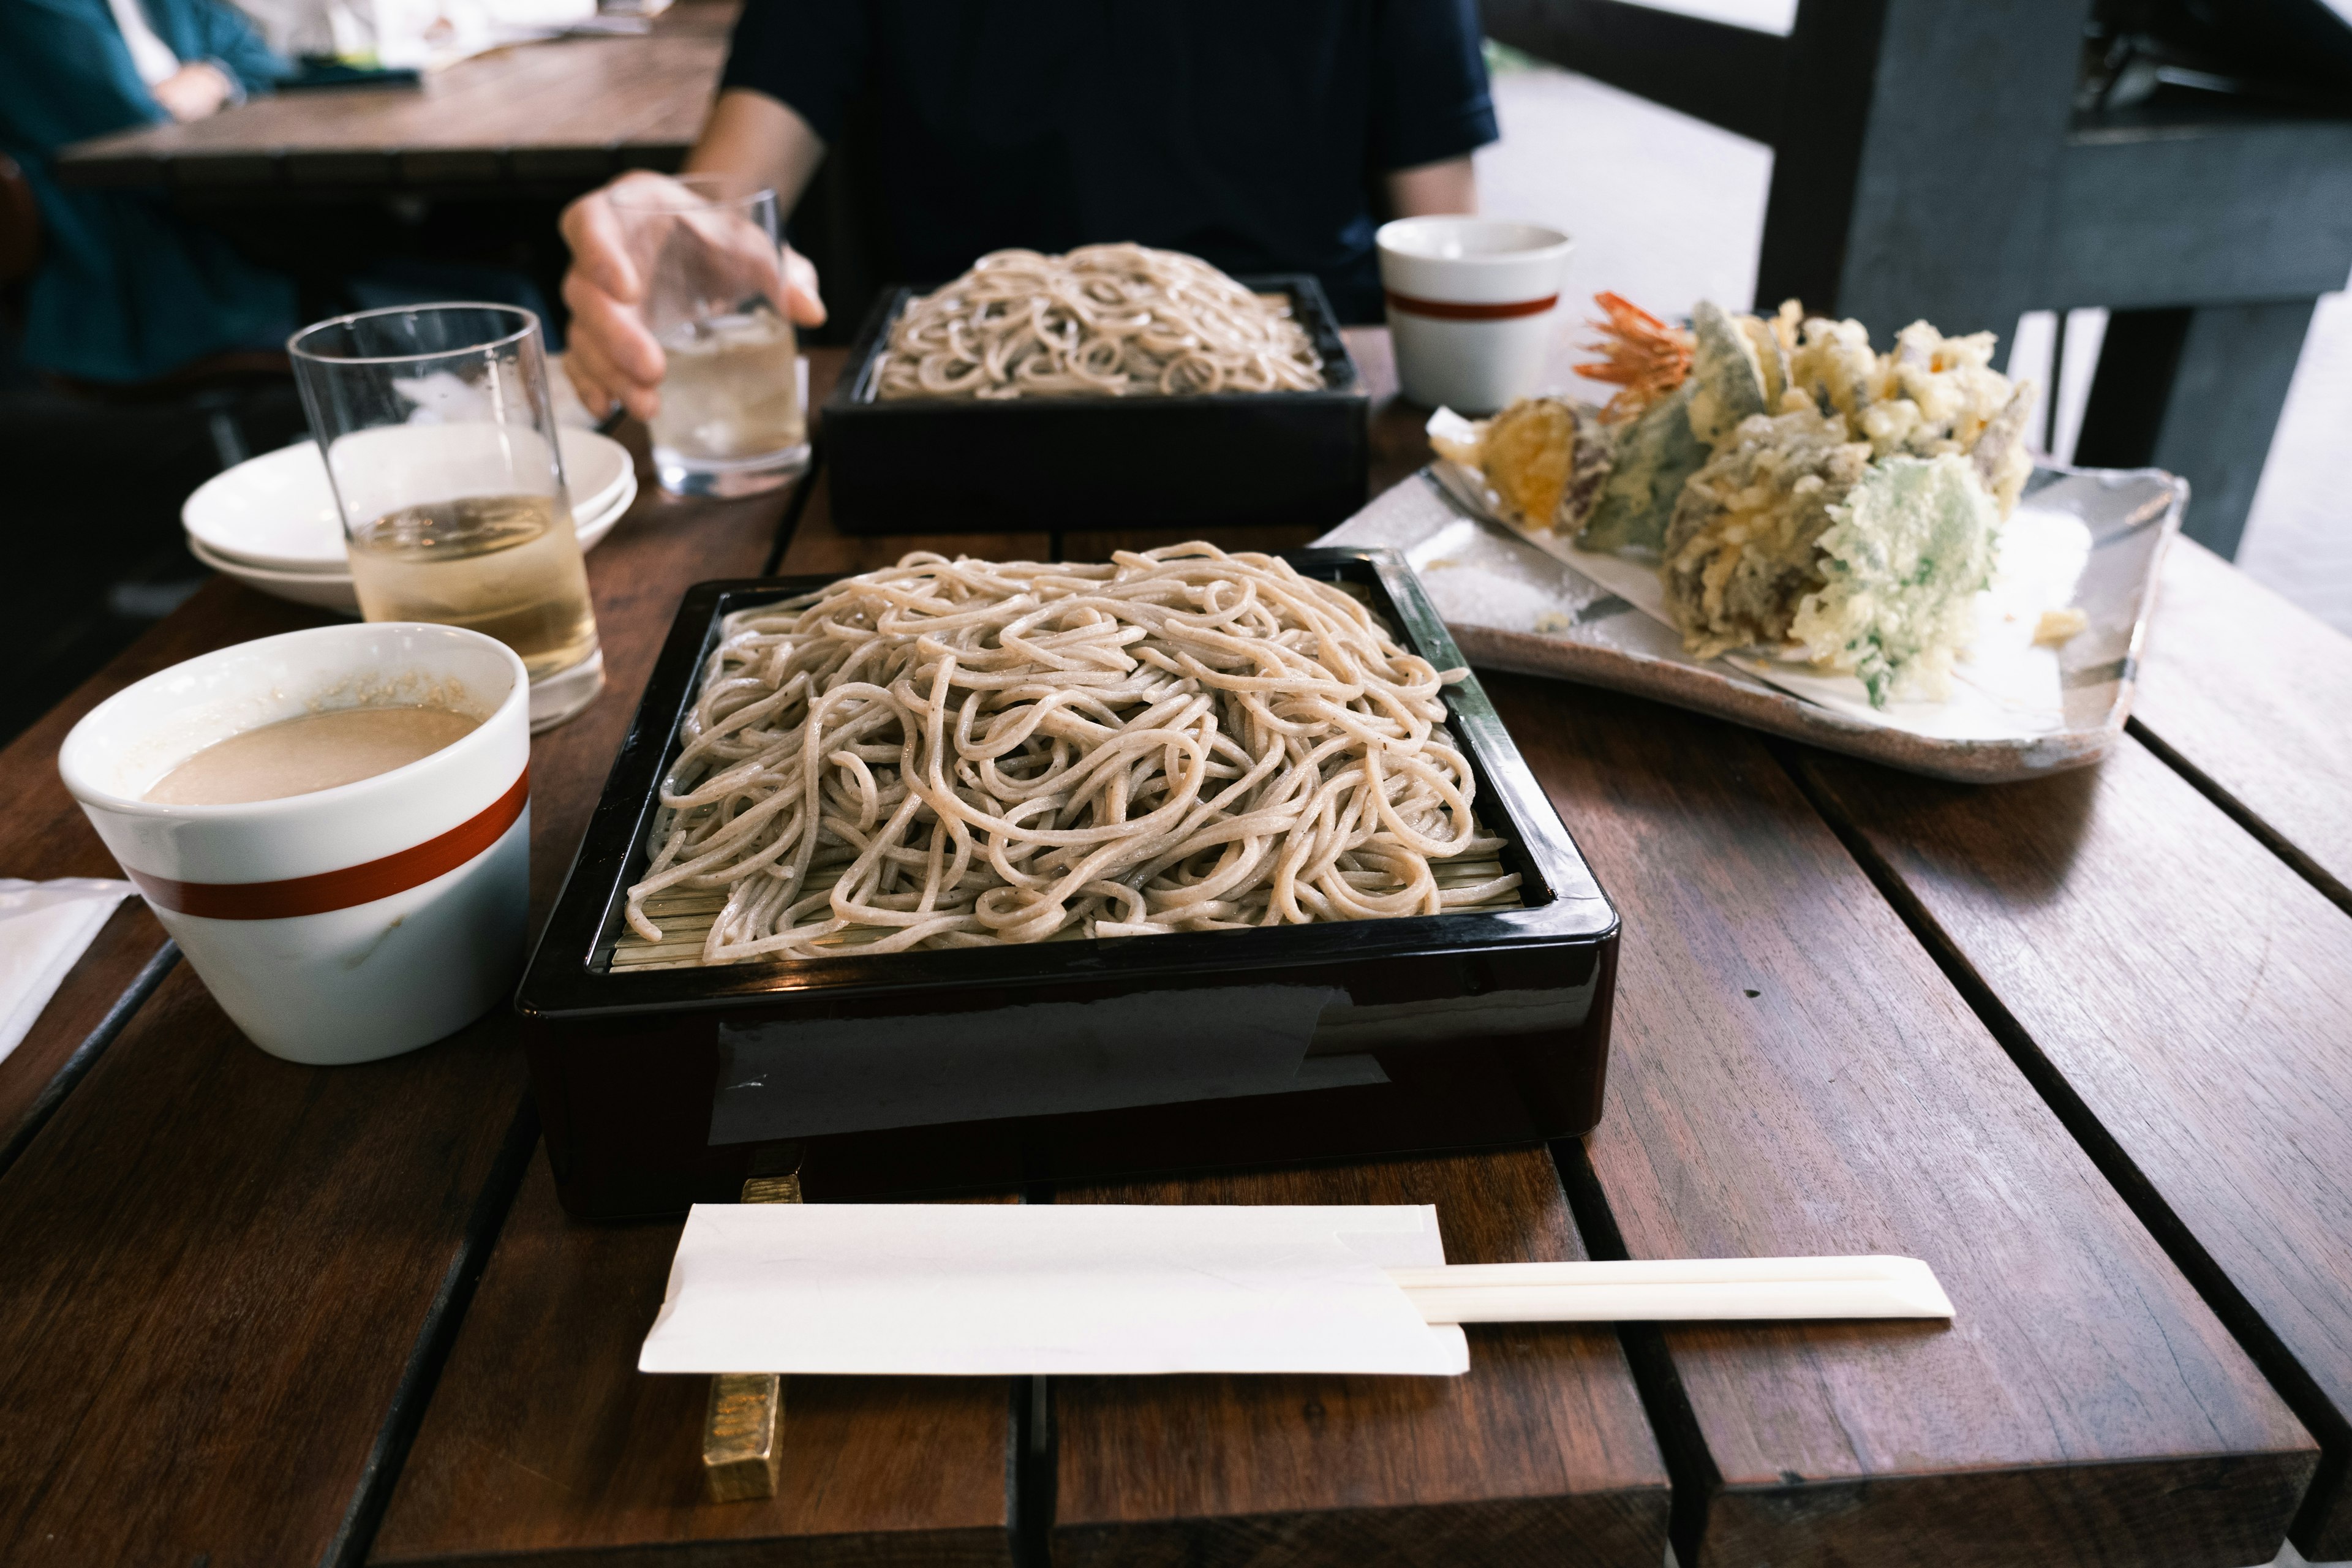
(125, 291)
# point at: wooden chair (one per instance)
(1929, 160)
(215, 388)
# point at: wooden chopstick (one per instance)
(742, 1425)
(1676, 1290)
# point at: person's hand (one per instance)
(609, 355)
(194, 91)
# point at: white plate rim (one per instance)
(592, 530)
(334, 590)
(594, 505)
(316, 590)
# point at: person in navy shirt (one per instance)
(1266, 137)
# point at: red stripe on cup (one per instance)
(1446, 311)
(352, 886)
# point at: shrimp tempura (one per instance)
(1641, 357)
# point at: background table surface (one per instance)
(2080, 1043)
(562, 110)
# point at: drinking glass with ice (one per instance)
(729, 421)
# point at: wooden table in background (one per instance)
(564, 113)
(2082, 1044)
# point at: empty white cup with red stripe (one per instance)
(348, 923)
(1473, 305)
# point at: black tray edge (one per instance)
(852, 392)
(560, 980)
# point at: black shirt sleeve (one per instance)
(808, 53)
(1429, 100)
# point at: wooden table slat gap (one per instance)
(85, 1055)
(1788, 1062)
(2252, 691)
(1029, 1454)
(429, 1352)
(1265, 1503)
(1690, 1468)
(1029, 1447)
(2269, 837)
(544, 1443)
(1032, 1452)
(2287, 1376)
(790, 523)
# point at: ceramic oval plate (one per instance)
(1514, 605)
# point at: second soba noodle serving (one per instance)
(1108, 320)
(953, 753)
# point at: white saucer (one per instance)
(332, 590)
(277, 512)
(325, 590)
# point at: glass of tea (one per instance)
(729, 421)
(440, 442)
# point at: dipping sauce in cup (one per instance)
(1473, 306)
(334, 825)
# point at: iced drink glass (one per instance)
(729, 421)
(440, 442)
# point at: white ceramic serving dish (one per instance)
(277, 511)
(1511, 605)
(331, 589)
(348, 923)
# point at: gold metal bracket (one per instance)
(743, 1428)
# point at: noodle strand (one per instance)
(977, 753)
(1108, 320)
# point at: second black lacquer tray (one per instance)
(988, 1067)
(1218, 460)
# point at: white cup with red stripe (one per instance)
(348, 923)
(1473, 304)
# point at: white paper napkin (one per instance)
(1007, 1289)
(43, 928)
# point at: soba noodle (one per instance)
(964, 753)
(1110, 320)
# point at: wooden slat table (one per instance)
(2262, 724)
(568, 112)
(2082, 1044)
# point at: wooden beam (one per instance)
(1725, 75)
(1817, 156)
(1918, 159)
(2229, 211)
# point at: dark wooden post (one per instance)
(1918, 159)
(2197, 391)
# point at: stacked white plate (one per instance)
(272, 521)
